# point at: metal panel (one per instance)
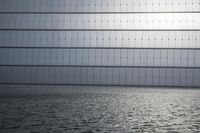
(115, 42)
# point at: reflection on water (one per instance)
(98, 109)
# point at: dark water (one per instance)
(98, 109)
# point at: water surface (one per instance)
(74, 109)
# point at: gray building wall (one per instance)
(100, 42)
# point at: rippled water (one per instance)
(98, 109)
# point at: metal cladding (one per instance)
(100, 42)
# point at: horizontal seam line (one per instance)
(7, 65)
(13, 47)
(99, 12)
(99, 29)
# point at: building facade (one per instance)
(100, 42)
